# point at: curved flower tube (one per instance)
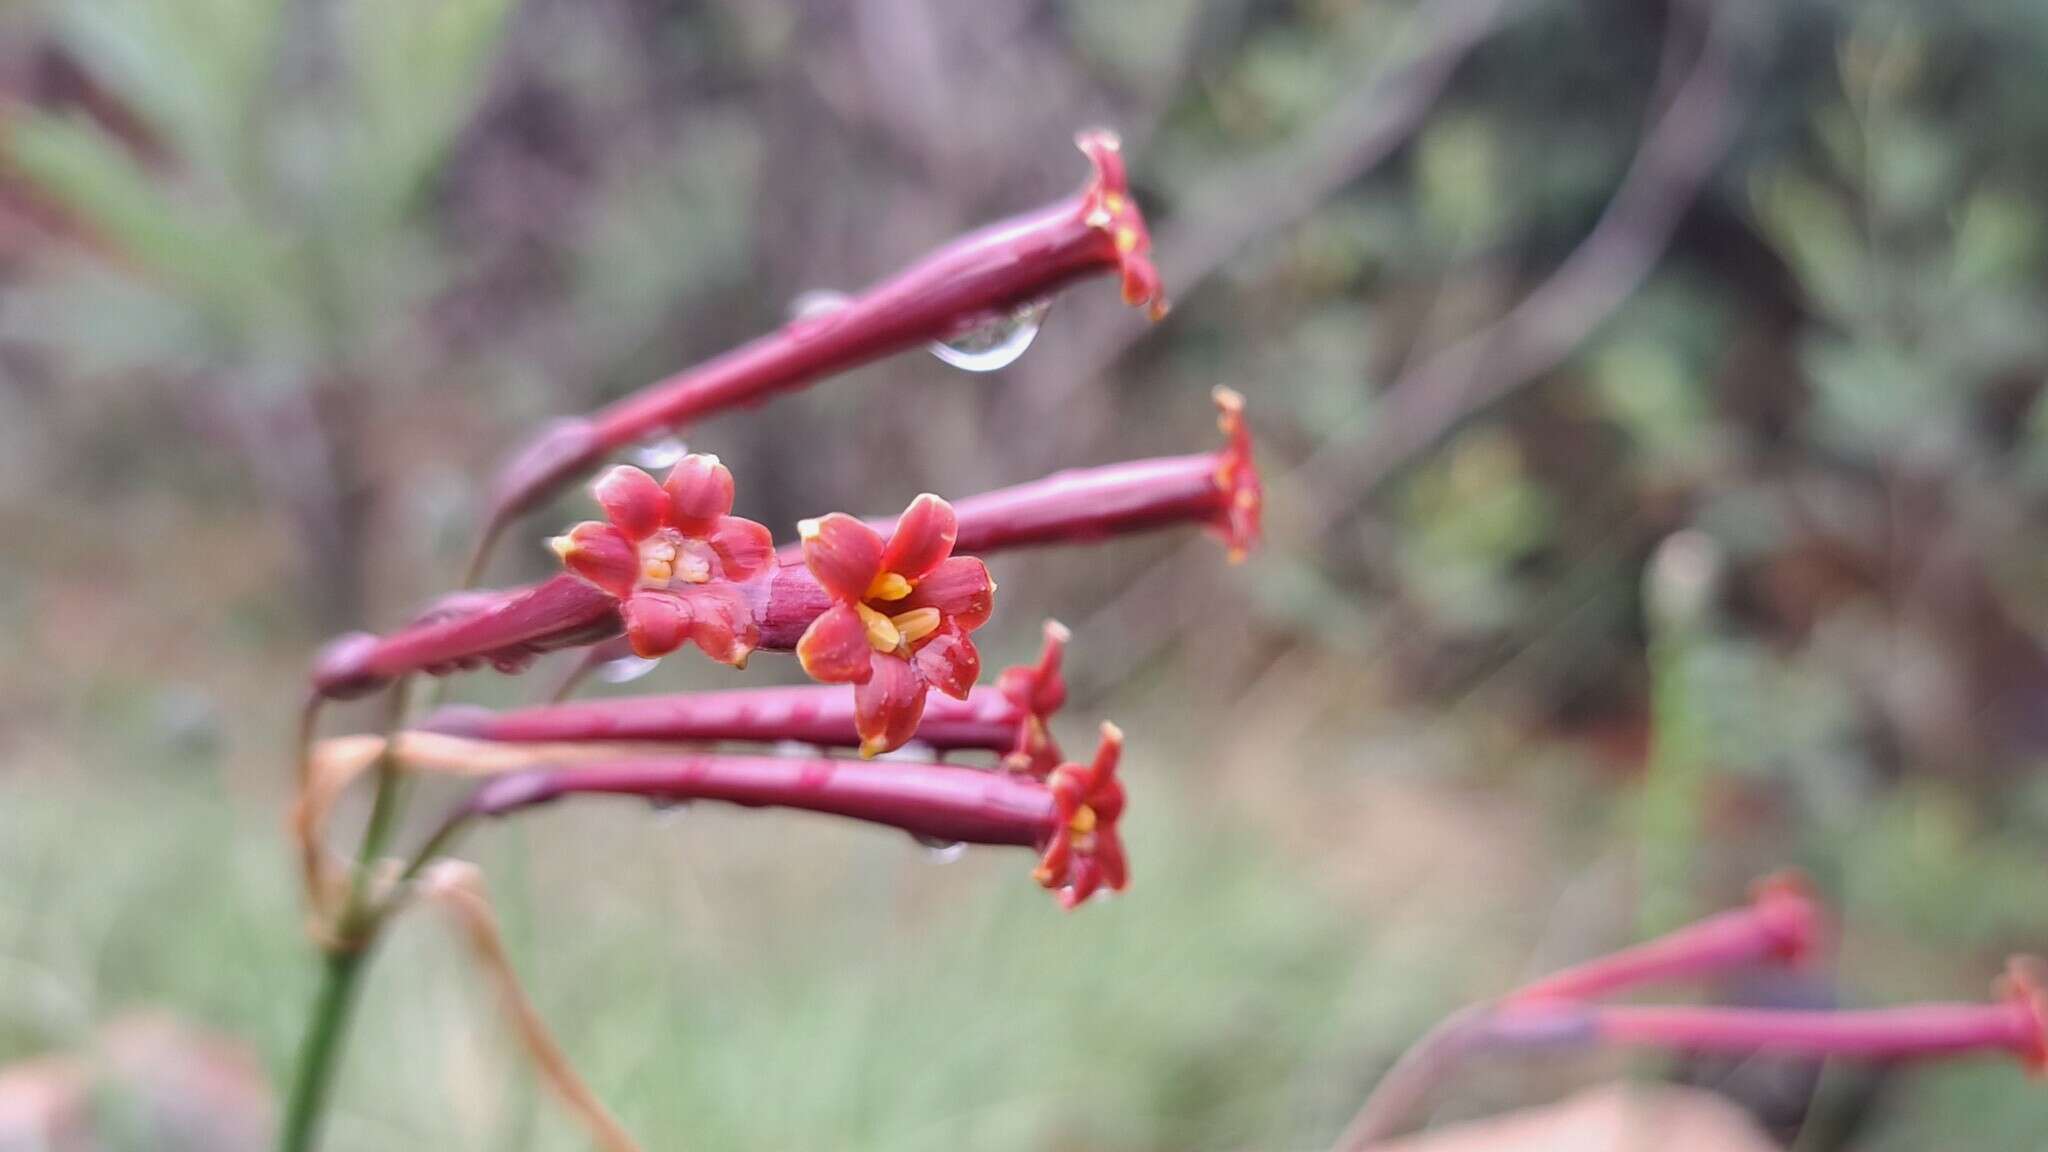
(1219, 490)
(979, 277)
(1783, 923)
(901, 616)
(1010, 719)
(1071, 818)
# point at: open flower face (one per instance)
(1085, 852)
(902, 611)
(672, 554)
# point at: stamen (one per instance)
(1083, 821)
(1126, 241)
(888, 586)
(916, 624)
(882, 634)
(562, 546)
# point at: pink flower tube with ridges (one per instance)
(1783, 923)
(2015, 1025)
(1070, 819)
(980, 277)
(1219, 490)
(1009, 719)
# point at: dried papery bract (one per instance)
(1010, 719)
(1218, 490)
(1071, 818)
(981, 276)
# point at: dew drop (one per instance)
(997, 343)
(625, 669)
(816, 302)
(660, 453)
(940, 851)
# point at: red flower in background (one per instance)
(1111, 209)
(901, 615)
(1085, 851)
(671, 553)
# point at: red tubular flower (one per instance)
(934, 802)
(1220, 490)
(1010, 719)
(1783, 923)
(673, 554)
(901, 614)
(983, 276)
(2017, 1025)
(1086, 851)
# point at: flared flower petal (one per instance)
(960, 588)
(700, 494)
(632, 501)
(1085, 850)
(743, 547)
(834, 649)
(1237, 477)
(923, 538)
(948, 661)
(601, 554)
(843, 553)
(1110, 209)
(887, 708)
(657, 622)
(721, 623)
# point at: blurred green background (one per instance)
(1651, 403)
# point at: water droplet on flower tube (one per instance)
(625, 669)
(940, 851)
(816, 302)
(996, 344)
(661, 453)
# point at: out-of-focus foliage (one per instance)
(279, 279)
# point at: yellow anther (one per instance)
(888, 586)
(1083, 821)
(1114, 202)
(916, 624)
(1097, 218)
(882, 634)
(807, 529)
(657, 571)
(562, 546)
(1126, 241)
(872, 746)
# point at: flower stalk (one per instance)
(2014, 1025)
(980, 277)
(1218, 490)
(1071, 818)
(1010, 718)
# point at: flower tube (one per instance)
(982, 277)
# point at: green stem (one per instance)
(355, 931)
(339, 979)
